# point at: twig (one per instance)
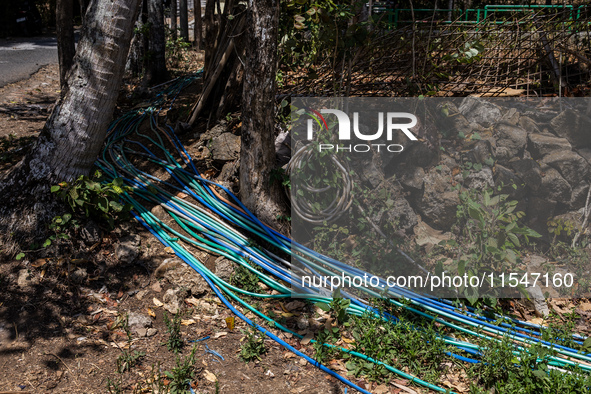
(586, 219)
(58, 357)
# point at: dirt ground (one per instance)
(61, 314)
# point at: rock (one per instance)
(402, 213)
(528, 124)
(537, 300)
(26, 278)
(540, 145)
(511, 141)
(480, 180)
(79, 276)
(412, 178)
(228, 171)
(141, 332)
(438, 204)
(225, 147)
(137, 321)
(509, 182)
(172, 300)
(571, 166)
(574, 126)
(586, 154)
(167, 265)
(90, 233)
(419, 154)
(372, 174)
(554, 186)
(480, 152)
(127, 250)
(539, 210)
(511, 117)
(186, 277)
(529, 171)
(480, 111)
(302, 322)
(151, 332)
(224, 268)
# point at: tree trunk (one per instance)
(210, 34)
(173, 20)
(198, 28)
(74, 133)
(83, 7)
(156, 61)
(66, 48)
(257, 154)
(184, 20)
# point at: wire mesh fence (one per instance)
(506, 51)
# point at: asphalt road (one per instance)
(21, 57)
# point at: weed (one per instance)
(337, 306)
(114, 387)
(246, 278)
(173, 328)
(181, 375)
(96, 199)
(253, 346)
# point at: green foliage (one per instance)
(490, 237)
(323, 353)
(409, 343)
(181, 375)
(253, 346)
(177, 52)
(96, 199)
(502, 371)
(337, 306)
(246, 278)
(128, 360)
(468, 53)
(173, 327)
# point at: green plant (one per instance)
(181, 375)
(253, 346)
(337, 306)
(114, 387)
(94, 197)
(246, 278)
(173, 327)
(490, 238)
(325, 336)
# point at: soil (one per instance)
(61, 309)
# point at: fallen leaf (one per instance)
(187, 322)
(404, 388)
(210, 376)
(151, 312)
(169, 250)
(219, 334)
(381, 389)
(38, 263)
(157, 302)
(347, 340)
(307, 338)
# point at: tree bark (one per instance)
(198, 28)
(173, 20)
(74, 133)
(257, 154)
(210, 34)
(66, 48)
(184, 20)
(83, 7)
(156, 61)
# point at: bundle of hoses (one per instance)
(219, 223)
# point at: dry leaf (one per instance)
(187, 322)
(210, 376)
(38, 263)
(230, 323)
(404, 388)
(307, 338)
(381, 389)
(169, 250)
(219, 334)
(157, 302)
(151, 312)
(347, 340)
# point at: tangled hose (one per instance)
(224, 226)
